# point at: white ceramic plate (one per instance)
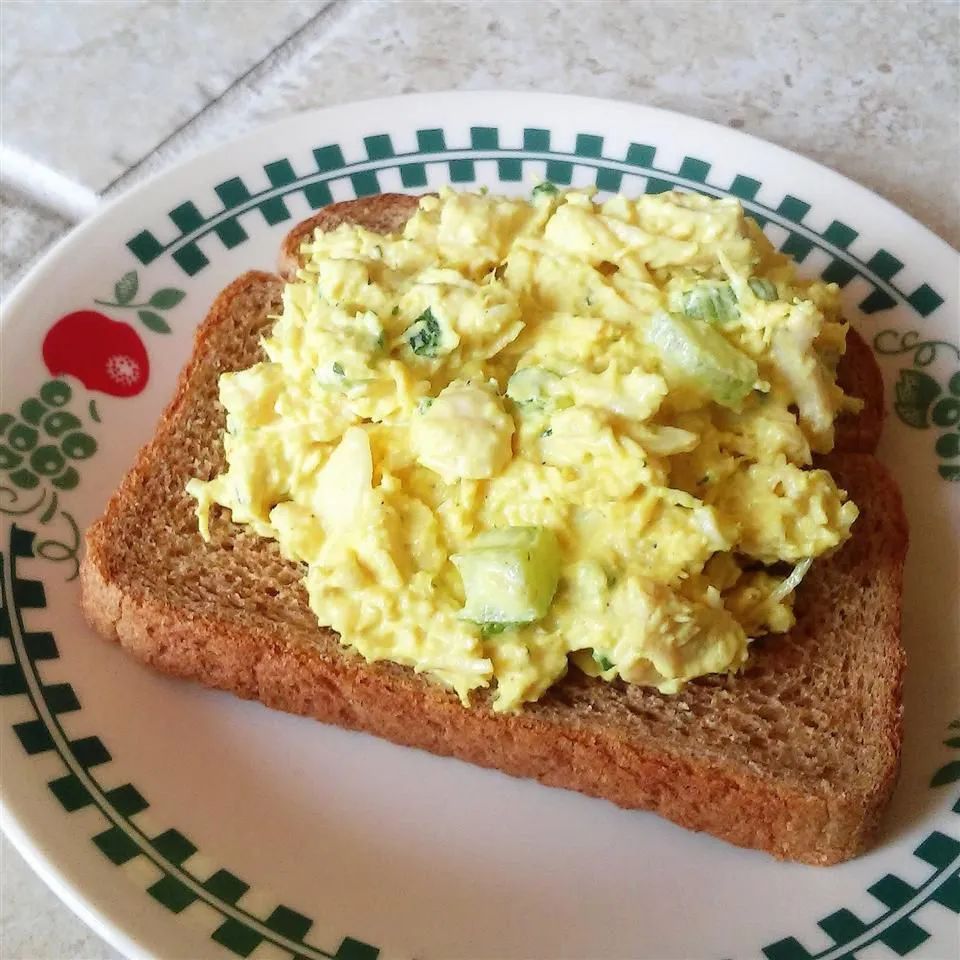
(184, 823)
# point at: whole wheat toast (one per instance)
(797, 755)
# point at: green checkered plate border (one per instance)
(186, 240)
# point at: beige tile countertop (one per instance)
(96, 95)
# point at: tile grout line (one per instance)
(52, 191)
(45, 187)
(264, 64)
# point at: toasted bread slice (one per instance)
(384, 213)
(859, 375)
(797, 755)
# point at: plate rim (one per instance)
(160, 177)
(36, 853)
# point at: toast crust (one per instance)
(706, 758)
(859, 374)
(384, 213)
(732, 800)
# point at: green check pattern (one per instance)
(639, 161)
(182, 877)
(895, 928)
(119, 838)
(179, 886)
(329, 169)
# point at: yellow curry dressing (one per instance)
(521, 433)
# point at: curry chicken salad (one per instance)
(524, 436)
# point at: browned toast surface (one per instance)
(859, 375)
(384, 213)
(796, 756)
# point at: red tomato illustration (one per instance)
(103, 354)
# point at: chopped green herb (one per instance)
(337, 369)
(395, 310)
(545, 189)
(763, 289)
(547, 433)
(380, 341)
(602, 662)
(423, 334)
(424, 404)
(715, 303)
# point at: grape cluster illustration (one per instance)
(44, 441)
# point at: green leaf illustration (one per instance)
(915, 392)
(953, 742)
(153, 321)
(125, 289)
(950, 773)
(166, 298)
(949, 472)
